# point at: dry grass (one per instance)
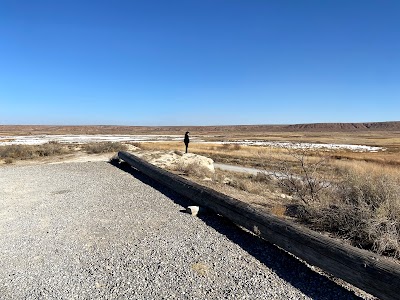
(359, 201)
(390, 139)
(22, 152)
(243, 187)
(193, 169)
(254, 184)
(362, 205)
(279, 210)
(270, 158)
(104, 147)
(364, 208)
(390, 158)
(8, 160)
(225, 153)
(28, 152)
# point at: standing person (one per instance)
(186, 140)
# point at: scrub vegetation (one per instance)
(23, 152)
(103, 147)
(349, 195)
(12, 153)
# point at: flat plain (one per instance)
(362, 208)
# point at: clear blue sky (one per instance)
(199, 62)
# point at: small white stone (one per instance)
(193, 210)
(227, 180)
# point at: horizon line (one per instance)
(215, 125)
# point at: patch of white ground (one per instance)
(82, 139)
(312, 146)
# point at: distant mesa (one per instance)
(384, 126)
(109, 129)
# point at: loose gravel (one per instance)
(94, 231)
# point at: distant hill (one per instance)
(108, 129)
(322, 127)
(378, 126)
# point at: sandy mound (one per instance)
(190, 159)
(176, 160)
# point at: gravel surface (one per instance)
(94, 231)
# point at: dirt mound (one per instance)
(176, 160)
(190, 160)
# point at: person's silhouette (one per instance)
(186, 140)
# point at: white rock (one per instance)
(198, 160)
(193, 210)
(161, 159)
(227, 180)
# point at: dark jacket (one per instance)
(186, 139)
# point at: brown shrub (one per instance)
(177, 152)
(262, 177)
(359, 201)
(259, 184)
(137, 145)
(16, 152)
(194, 169)
(8, 160)
(236, 147)
(104, 147)
(230, 147)
(32, 151)
(365, 209)
(51, 149)
(278, 210)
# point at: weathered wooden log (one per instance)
(365, 270)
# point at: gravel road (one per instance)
(95, 231)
